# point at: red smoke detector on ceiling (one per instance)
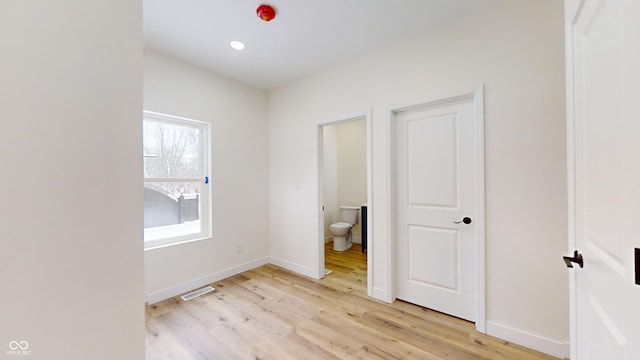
(266, 12)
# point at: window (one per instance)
(176, 189)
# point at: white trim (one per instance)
(297, 268)
(477, 96)
(172, 119)
(160, 295)
(381, 294)
(173, 179)
(529, 340)
(174, 241)
(390, 293)
(407, 106)
(571, 13)
(320, 270)
(345, 119)
(370, 250)
(481, 315)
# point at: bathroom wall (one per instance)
(239, 178)
(330, 178)
(352, 167)
(344, 171)
(516, 51)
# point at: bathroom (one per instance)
(344, 179)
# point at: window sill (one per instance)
(173, 243)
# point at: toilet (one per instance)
(341, 231)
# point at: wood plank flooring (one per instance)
(272, 313)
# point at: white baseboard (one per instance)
(532, 341)
(354, 239)
(160, 295)
(382, 295)
(302, 270)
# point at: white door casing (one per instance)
(438, 160)
(603, 117)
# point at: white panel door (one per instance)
(603, 43)
(435, 188)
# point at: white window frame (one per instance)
(205, 188)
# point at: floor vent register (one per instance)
(194, 294)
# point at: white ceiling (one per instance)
(305, 37)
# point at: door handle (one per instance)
(466, 220)
(577, 258)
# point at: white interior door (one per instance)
(603, 48)
(435, 174)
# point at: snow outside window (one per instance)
(176, 179)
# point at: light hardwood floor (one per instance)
(272, 313)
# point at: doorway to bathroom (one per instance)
(345, 190)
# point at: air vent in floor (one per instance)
(194, 294)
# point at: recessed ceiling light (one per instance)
(238, 45)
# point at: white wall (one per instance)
(239, 180)
(517, 51)
(330, 178)
(71, 256)
(352, 167)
